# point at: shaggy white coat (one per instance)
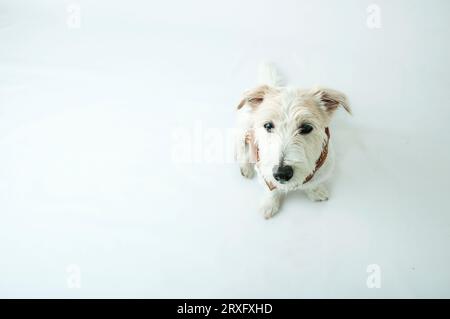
(287, 108)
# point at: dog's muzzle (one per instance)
(254, 158)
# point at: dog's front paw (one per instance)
(247, 170)
(318, 194)
(270, 207)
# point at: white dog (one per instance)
(284, 136)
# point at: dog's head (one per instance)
(289, 129)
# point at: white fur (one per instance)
(268, 74)
(287, 108)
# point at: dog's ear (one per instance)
(330, 100)
(254, 97)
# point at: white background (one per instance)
(88, 177)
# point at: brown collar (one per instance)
(254, 154)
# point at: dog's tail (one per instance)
(269, 75)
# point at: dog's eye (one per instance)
(269, 126)
(305, 129)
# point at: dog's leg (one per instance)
(247, 170)
(271, 203)
(318, 193)
(243, 157)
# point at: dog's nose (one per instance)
(283, 173)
